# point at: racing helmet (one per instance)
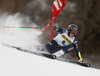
(72, 28)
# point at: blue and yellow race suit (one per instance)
(64, 42)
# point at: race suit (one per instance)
(63, 42)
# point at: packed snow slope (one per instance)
(17, 63)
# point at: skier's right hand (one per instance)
(55, 28)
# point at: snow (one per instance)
(17, 63)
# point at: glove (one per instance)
(80, 60)
(55, 28)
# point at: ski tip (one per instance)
(88, 65)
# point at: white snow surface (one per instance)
(17, 63)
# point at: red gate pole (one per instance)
(52, 30)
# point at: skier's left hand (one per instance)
(80, 60)
(55, 28)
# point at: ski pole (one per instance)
(69, 56)
(48, 24)
(26, 27)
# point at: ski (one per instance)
(32, 52)
(50, 56)
(60, 59)
(82, 64)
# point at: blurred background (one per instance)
(84, 13)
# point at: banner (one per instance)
(57, 7)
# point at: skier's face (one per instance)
(72, 33)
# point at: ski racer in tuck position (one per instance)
(64, 42)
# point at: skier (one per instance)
(64, 42)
